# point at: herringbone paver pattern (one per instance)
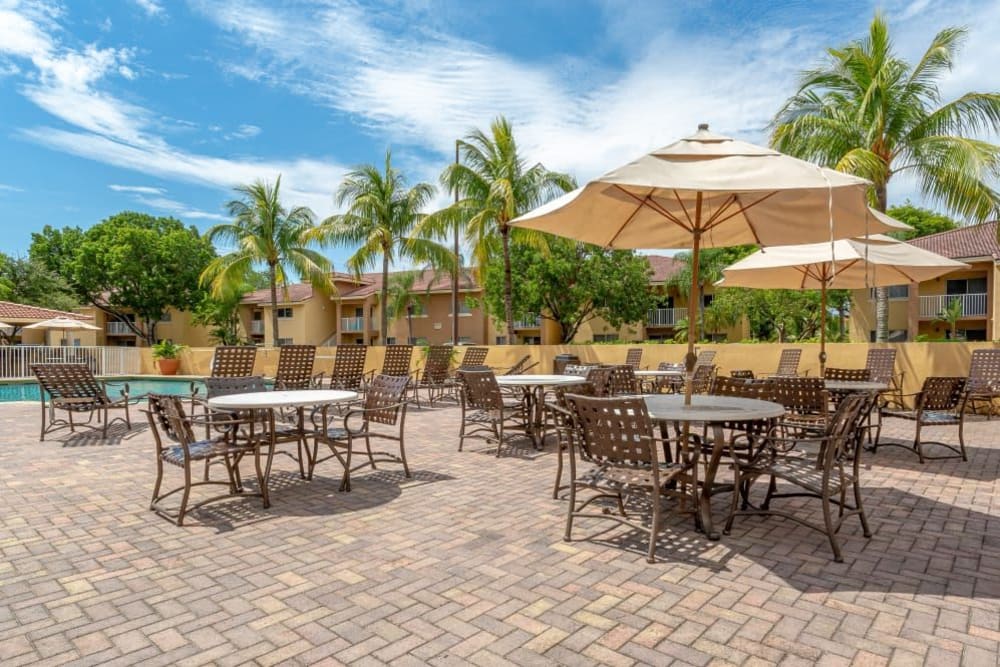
(464, 564)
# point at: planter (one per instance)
(168, 366)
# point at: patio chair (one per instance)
(435, 375)
(565, 427)
(384, 406)
(228, 361)
(705, 358)
(522, 366)
(349, 368)
(474, 357)
(618, 437)
(577, 369)
(881, 365)
(670, 383)
(983, 385)
(788, 363)
(73, 389)
(599, 377)
(940, 402)
(806, 403)
(845, 375)
(284, 432)
(824, 466)
(623, 381)
(396, 362)
(741, 374)
(168, 423)
(633, 357)
(487, 413)
(295, 367)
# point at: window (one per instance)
(390, 340)
(463, 309)
(258, 316)
(896, 292)
(969, 334)
(285, 341)
(359, 341)
(966, 286)
(359, 312)
(501, 340)
(285, 313)
(417, 340)
(165, 316)
(605, 338)
(465, 340)
(707, 300)
(531, 340)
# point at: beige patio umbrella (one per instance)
(878, 261)
(63, 323)
(710, 191)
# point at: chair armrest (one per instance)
(111, 383)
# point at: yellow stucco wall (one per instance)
(915, 360)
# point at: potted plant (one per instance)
(167, 355)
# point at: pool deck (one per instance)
(465, 564)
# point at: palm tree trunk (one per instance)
(409, 327)
(508, 301)
(881, 293)
(272, 276)
(383, 299)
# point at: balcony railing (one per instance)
(118, 329)
(352, 324)
(973, 305)
(530, 323)
(665, 317)
(257, 327)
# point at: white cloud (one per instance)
(151, 7)
(10, 188)
(68, 83)
(244, 131)
(127, 72)
(137, 189)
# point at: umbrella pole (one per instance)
(822, 329)
(693, 310)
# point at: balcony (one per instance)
(530, 323)
(257, 327)
(118, 329)
(973, 305)
(665, 317)
(353, 324)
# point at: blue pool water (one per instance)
(28, 391)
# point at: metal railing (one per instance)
(973, 305)
(665, 317)
(118, 329)
(352, 324)
(256, 327)
(16, 360)
(530, 323)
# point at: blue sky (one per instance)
(163, 106)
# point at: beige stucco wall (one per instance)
(915, 360)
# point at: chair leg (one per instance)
(568, 537)
(735, 504)
(461, 429)
(654, 529)
(916, 443)
(184, 496)
(157, 483)
(498, 428)
(371, 457)
(402, 456)
(961, 434)
(559, 470)
(861, 508)
(830, 529)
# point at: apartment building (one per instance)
(914, 309)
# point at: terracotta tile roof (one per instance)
(20, 311)
(964, 242)
(426, 281)
(663, 267)
(294, 294)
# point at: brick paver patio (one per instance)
(464, 564)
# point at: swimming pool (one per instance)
(28, 390)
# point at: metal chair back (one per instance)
(233, 360)
(295, 367)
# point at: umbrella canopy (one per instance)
(710, 191)
(64, 323)
(4, 325)
(67, 323)
(877, 261)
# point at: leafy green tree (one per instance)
(711, 262)
(266, 234)
(494, 185)
(923, 220)
(26, 280)
(868, 112)
(401, 301)
(950, 315)
(379, 221)
(571, 283)
(129, 263)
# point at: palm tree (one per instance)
(868, 112)
(711, 262)
(950, 315)
(400, 300)
(380, 218)
(265, 233)
(494, 185)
